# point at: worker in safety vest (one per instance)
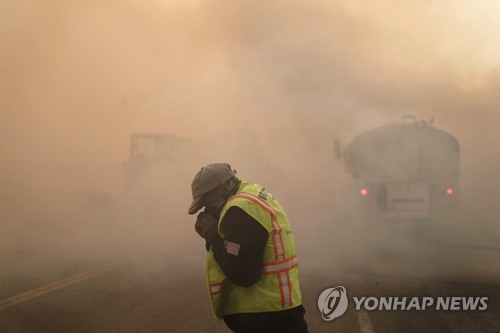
(252, 266)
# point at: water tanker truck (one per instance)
(407, 169)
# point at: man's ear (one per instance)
(225, 188)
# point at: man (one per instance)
(252, 267)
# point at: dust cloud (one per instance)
(265, 86)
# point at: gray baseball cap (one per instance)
(207, 179)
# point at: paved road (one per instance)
(150, 293)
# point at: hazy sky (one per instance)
(77, 77)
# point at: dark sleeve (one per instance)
(240, 253)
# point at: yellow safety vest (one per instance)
(278, 288)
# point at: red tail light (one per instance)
(363, 192)
(449, 191)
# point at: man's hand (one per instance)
(206, 226)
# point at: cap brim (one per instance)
(196, 205)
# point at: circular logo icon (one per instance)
(333, 303)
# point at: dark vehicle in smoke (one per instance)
(404, 170)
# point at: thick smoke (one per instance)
(265, 86)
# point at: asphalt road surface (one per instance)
(149, 293)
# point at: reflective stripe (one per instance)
(215, 288)
(279, 253)
(255, 198)
(286, 294)
(280, 266)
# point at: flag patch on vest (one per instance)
(232, 248)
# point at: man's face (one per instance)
(215, 196)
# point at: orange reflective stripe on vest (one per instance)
(215, 288)
(280, 266)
